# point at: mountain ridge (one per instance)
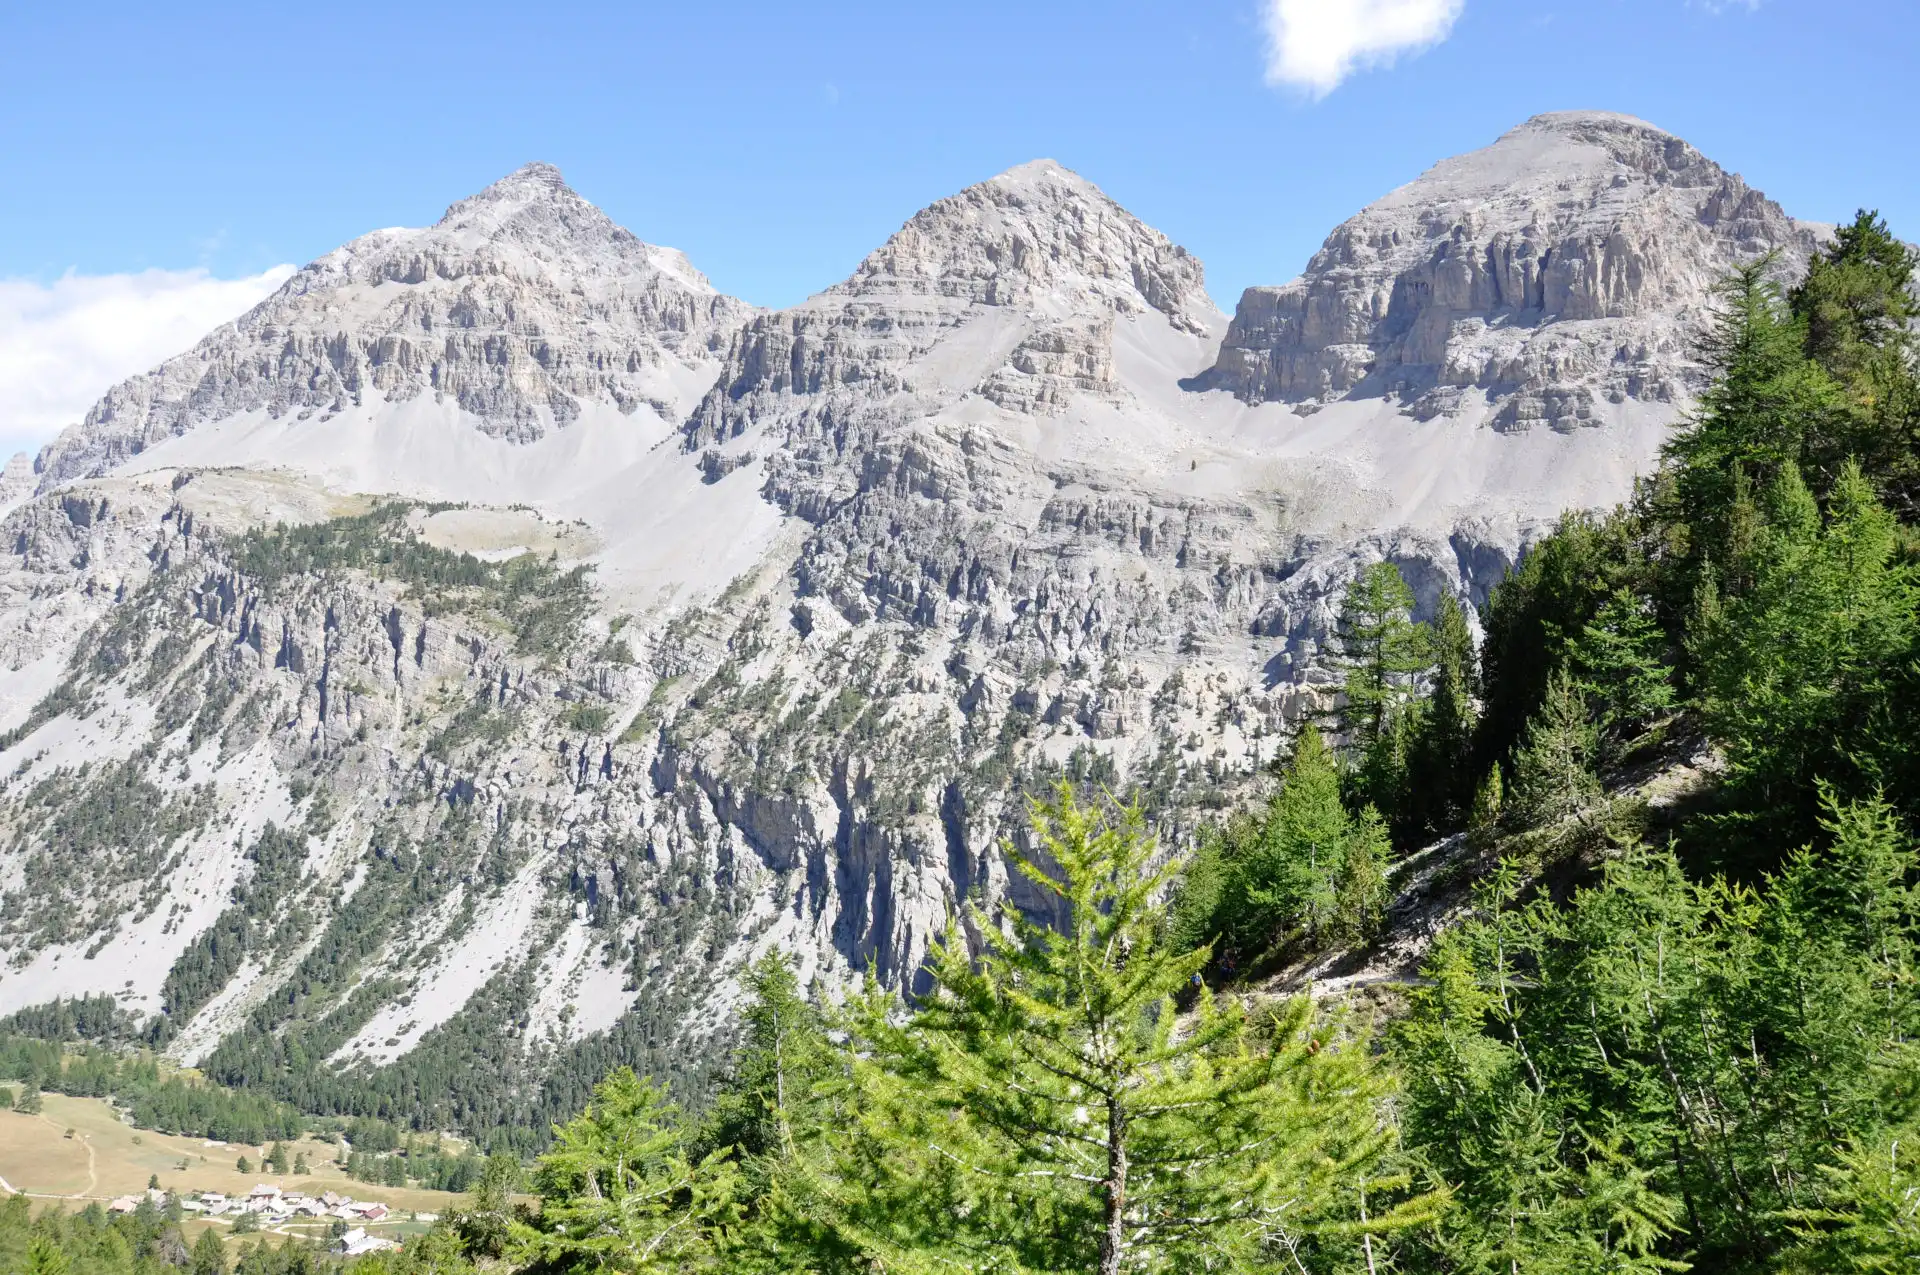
(761, 641)
(524, 304)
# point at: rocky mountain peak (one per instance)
(1575, 123)
(519, 311)
(533, 207)
(533, 186)
(530, 180)
(1544, 280)
(1036, 229)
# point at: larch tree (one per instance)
(1382, 651)
(1553, 769)
(1620, 661)
(620, 1192)
(1046, 1109)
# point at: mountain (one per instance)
(433, 687)
(1552, 280)
(525, 315)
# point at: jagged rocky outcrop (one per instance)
(1013, 503)
(1562, 268)
(522, 306)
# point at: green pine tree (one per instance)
(1483, 821)
(209, 1255)
(1440, 755)
(1857, 298)
(1303, 865)
(1766, 400)
(1360, 886)
(1620, 660)
(1864, 1221)
(485, 1226)
(767, 1104)
(1382, 651)
(620, 1193)
(1553, 770)
(1046, 1110)
(45, 1258)
(1801, 677)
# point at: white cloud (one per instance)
(1315, 44)
(64, 344)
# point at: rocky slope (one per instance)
(749, 630)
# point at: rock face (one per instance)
(757, 627)
(1564, 266)
(521, 306)
(17, 480)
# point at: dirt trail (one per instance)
(93, 1177)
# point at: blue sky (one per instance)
(777, 143)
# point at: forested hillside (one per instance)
(1674, 1030)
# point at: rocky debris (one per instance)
(1564, 266)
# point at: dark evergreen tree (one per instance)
(1535, 614)
(1620, 661)
(1766, 400)
(1439, 772)
(209, 1255)
(1858, 308)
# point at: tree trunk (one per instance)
(1113, 1241)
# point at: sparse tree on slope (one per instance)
(769, 1104)
(1440, 761)
(1302, 863)
(1382, 650)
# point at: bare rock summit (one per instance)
(520, 308)
(1561, 269)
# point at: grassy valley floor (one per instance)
(79, 1151)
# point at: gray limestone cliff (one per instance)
(1564, 266)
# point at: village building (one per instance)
(357, 1241)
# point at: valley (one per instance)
(106, 1158)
